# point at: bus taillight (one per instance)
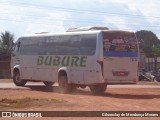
(101, 63)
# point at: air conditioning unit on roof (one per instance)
(86, 29)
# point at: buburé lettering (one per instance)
(68, 61)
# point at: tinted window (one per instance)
(120, 41)
(59, 45)
(32, 46)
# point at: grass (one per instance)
(27, 102)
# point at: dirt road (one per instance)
(114, 99)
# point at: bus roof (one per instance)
(73, 33)
(61, 33)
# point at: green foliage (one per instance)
(156, 50)
(6, 43)
(27, 102)
(147, 39)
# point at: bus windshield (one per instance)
(119, 42)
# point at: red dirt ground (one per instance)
(114, 99)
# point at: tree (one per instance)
(156, 50)
(147, 40)
(6, 43)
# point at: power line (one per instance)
(69, 26)
(40, 16)
(93, 21)
(49, 24)
(71, 20)
(38, 6)
(23, 21)
(65, 19)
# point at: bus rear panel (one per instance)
(120, 57)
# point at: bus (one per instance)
(93, 58)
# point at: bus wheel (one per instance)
(98, 89)
(17, 80)
(64, 87)
(48, 83)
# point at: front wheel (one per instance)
(98, 89)
(17, 80)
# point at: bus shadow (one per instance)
(55, 89)
(120, 96)
(130, 96)
(42, 88)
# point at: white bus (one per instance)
(77, 59)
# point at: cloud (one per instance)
(57, 16)
(145, 7)
(55, 24)
(26, 20)
(134, 15)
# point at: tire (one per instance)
(98, 89)
(17, 80)
(64, 87)
(48, 83)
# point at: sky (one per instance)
(34, 16)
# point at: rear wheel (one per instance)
(98, 89)
(63, 84)
(17, 79)
(48, 83)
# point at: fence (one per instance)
(5, 70)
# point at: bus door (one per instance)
(26, 61)
(120, 57)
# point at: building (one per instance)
(5, 67)
(149, 63)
